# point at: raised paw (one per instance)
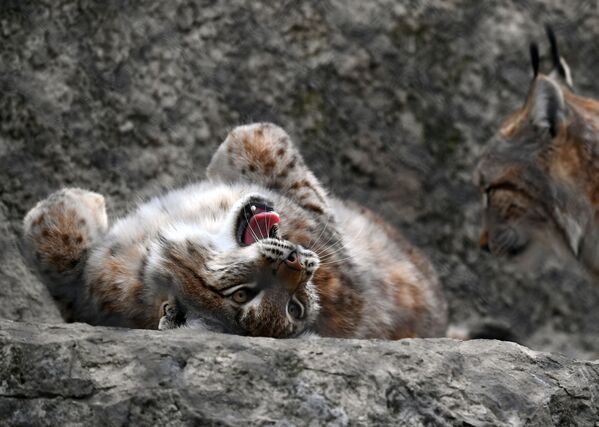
(263, 154)
(258, 152)
(60, 228)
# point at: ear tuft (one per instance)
(560, 67)
(547, 107)
(534, 58)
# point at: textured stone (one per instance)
(81, 375)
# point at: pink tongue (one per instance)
(259, 226)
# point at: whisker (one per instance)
(345, 245)
(339, 261)
(324, 244)
(260, 228)
(321, 232)
(250, 228)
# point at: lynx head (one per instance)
(528, 175)
(232, 271)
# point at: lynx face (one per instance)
(510, 213)
(235, 274)
(524, 177)
(537, 176)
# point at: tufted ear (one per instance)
(546, 105)
(561, 71)
(534, 59)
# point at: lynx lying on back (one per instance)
(258, 249)
(540, 176)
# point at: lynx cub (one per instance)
(540, 175)
(258, 249)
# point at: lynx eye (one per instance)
(243, 295)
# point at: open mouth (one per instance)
(257, 220)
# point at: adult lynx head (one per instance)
(538, 177)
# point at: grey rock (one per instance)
(82, 375)
(21, 297)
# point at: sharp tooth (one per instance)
(253, 208)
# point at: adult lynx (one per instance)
(540, 175)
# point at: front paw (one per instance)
(59, 229)
(172, 318)
(68, 213)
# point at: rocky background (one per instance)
(391, 103)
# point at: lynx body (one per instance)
(257, 249)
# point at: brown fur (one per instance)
(180, 255)
(345, 309)
(541, 184)
(342, 308)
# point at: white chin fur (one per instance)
(196, 324)
(308, 335)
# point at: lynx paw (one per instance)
(59, 229)
(263, 153)
(171, 317)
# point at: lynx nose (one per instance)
(293, 261)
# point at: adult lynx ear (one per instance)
(534, 59)
(547, 106)
(561, 70)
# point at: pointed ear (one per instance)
(547, 106)
(561, 70)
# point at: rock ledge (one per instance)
(81, 375)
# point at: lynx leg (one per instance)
(58, 232)
(263, 153)
(171, 318)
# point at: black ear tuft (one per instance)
(555, 58)
(534, 58)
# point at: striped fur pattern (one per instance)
(539, 177)
(177, 262)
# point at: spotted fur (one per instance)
(176, 260)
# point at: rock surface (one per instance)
(81, 375)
